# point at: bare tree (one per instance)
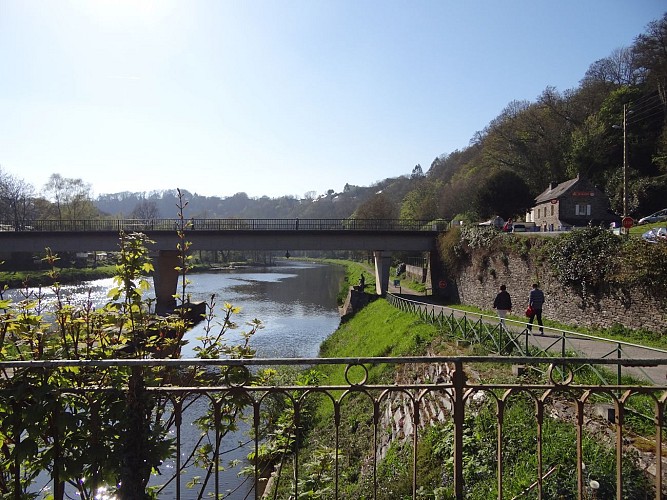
(620, 68)
(72, 198)
(145, 210)
(16, 200)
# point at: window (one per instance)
(582, 210)
(552, 209)
(538, 212)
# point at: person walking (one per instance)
(536, 301)
(502, 304)
(362, 282)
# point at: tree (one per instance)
(422, 202)
(504, 193)
(72, 198)
(457, 197)
(145, 210)
(16, 200)
(650, 50)
(530, 140)
(620, 68)
(417, 172)
(378, 206)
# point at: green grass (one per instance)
(353, 272)
(639, 230)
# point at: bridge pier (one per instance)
(382, 268)
(165, 280)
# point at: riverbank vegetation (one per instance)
(381, 330)
(107, 429)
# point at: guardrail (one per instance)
(517, 339)
(225, 225)
(85, 430)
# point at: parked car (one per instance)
(496, 222)
(659, 216)
(655, 235)
(519, 228)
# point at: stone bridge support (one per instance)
(382, 268)
(165, 280)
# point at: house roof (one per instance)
(552, 193)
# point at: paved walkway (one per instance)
(553, 339)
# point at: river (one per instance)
(296, 302)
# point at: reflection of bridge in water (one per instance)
(380, 236)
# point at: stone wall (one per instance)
(478, 284)
(416, 273)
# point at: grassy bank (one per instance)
(353, 272)
(381, 330)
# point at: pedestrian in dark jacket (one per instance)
(536, 301)
(502, 304)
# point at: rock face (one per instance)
(397, 415)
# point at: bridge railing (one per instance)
(81, 430)
(204, 224)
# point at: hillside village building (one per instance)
(573, 203)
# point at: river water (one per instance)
(296, 302)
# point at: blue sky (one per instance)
(278, 97)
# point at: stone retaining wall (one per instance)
(478, 284)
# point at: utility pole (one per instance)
(625, 161)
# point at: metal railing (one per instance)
(518, 338)
(433, 390)
(225, 225)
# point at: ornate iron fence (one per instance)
(422, 393)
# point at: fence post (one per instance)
(458, 380)
(619, 368)
(660, 415)
(562, 347)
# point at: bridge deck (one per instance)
(226, 234)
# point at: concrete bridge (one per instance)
(380, 236)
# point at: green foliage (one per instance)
(480, 237)
(520, 457)
(421, 203)
(585, 259)
(121, 435)
(503, 193)
(450, 250)
(644, 266)
(593, 261)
